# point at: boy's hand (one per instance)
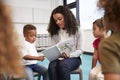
(41, 58)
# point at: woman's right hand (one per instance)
(64, 55)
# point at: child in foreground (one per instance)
(110, 47)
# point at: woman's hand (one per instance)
(64, 55)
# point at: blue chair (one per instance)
(37, 75)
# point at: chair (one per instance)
(37, 75)
(14, 77)
(11, 77)
(78, 71)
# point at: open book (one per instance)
(55, 51)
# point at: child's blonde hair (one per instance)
(111, 12)
(10, 61)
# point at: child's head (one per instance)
(29, 32)
(98, 28)
(10, 60)
(111, 13)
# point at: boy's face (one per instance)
(30, 36)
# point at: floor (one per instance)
(86, 66)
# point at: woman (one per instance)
(63, 26)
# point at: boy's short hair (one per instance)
(28, 27)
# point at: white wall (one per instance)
(89, 12)
(88, 40)
(32, 11)
(35, 12)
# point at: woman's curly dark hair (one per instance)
(71, 24)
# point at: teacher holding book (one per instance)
(63, 26)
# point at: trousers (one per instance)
(40, 69)
(60, 69)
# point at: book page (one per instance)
(51, 53)
(66, 46)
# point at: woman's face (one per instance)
(59, 19)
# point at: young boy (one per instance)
(29, 53)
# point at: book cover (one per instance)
(55, 51)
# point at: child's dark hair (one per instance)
(28, 27)
(99, 23)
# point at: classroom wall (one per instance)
(88, 39)
(37, 12)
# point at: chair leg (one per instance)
(39, 77)
(81, 76)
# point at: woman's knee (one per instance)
(51, 66)
(62, 66)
